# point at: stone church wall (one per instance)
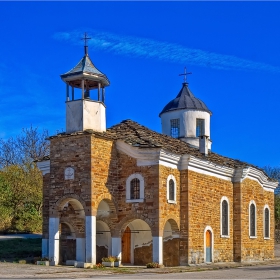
(147, 210)
(256, 248)
(69, 152)
(202, 196)
(168, 210)
(101, 172)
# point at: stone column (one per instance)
(157, 249)
(80, 249)
(117, 247)
(91, 239)
(54, 240)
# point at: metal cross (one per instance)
(185, 75)
(85, 39)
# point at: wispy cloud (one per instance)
(147, 48)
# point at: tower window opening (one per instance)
(175, 128)
(200, 127)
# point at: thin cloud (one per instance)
(147, 48)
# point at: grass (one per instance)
(19, 248)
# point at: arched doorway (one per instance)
(126, 245)
(171, 243)
(67, 243)
(105, 212)
(208, 246)
(71, 216)
(103, 241)
(137, 243)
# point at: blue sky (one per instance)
(231, 48)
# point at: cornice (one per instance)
(206, 167)
(44, 166)
(254, 174)
(158, 156)
(147, 157)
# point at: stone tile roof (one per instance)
(185, 100)
(140, 136)
(85, 65)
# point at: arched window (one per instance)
(135, 188)
(266, 222)
(224, 218)
(171, 189)
(224, 222)
(252, 219)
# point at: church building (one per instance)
(145, 196)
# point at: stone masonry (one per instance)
(101, 168)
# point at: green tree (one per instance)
(21, 182)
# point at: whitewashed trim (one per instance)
(221, 217)
(128, 194)
(44, 166)
(212, 243)
(254, 174)
(171, 177)
(252, 236)
(158, 156)
(266, 207)
(206, 167)
(144, 155)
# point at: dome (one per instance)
(185, 100)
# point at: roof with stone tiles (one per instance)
(140, 136)
(85, 65)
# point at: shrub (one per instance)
(153, 265)
(108, 259)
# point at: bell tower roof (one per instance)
(85, 69)
(185, 100)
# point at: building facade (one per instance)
(144, 196)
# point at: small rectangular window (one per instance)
(200, 127)
(175, 128)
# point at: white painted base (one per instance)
(117, 247)
(80, 249)
(54, 240)
(82, 265)
(45, 247)
(91, 239)
(70, 262)
(157, 249)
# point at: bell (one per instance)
(86, 95)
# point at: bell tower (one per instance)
(83, 112)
